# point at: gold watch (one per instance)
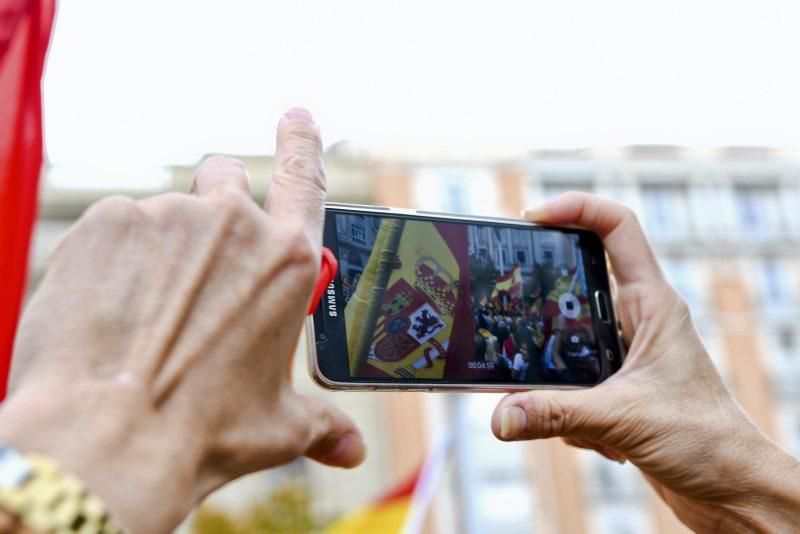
(45, 499)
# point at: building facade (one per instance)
(725, 225)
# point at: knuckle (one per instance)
(217, 171)
(549, 418)
(166, 203)
(231, 200)
(306, 134)
(298, 440)
(574, 196)
(218, 161)
(628, 215)
(303, 164)
(174, 197)
(681, 305)
(322, 433)
(112, 216)
(116, 210)
(299, 252)
(295, 433)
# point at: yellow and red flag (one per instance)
(403, 509)
(568, 303)
(426, 295)
(508, 288)
(24, 35)
(386, 515)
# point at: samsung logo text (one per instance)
(331, 300)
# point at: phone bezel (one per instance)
(609, 330)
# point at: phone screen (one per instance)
(427, 300)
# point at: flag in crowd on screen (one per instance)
(507, 293)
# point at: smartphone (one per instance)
(429, 301)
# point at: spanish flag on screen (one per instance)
(509, 288)
(403, 508)
(412, 295)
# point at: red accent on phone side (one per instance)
(326, 274)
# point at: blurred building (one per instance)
(725, 224)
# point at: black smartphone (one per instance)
(427, 301)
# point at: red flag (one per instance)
(25, 27)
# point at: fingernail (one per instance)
(611, 454)
(300, 115)
(535, 214)
(513, 422)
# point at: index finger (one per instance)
(631, 256)
(298, 186)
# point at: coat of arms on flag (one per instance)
(404, 330)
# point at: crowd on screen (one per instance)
(528, 341)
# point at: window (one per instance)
(610, 482)
(456, 198)
(355, 259)
(790, 198)
(522, 258)
(680, 274)
(456, 189)
(496, 494)
(376, 223)
(554, 189)
(789, 421)
(774, 291)
(503, 259)
(757, 210)
(787, 341)
(358, 233)
(666, 210)
(710, 210)
(784, 353)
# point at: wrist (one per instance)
(770, 496)
(117, 456)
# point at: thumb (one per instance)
(547, 414)
(333, 438)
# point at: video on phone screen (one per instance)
(437, 300)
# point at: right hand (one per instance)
(153, 361)
(667, 410)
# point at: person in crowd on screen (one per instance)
(501, 330)
(479, 342)
(553, 365)
(347, 287)
(579, 353)
(509, 345)
(519, 367)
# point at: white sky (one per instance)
(137, 84)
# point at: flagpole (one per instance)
(387, 255)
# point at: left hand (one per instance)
(153, 362)
(667, 409)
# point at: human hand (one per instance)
(154, 360)
(667, 410)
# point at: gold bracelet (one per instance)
(46, 499)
